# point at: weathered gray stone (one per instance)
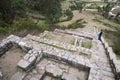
(39, 76)
(73, 74)
(47, 78)
(54, 70)
(18, 76)
(108, 74)
(1, 75)
(32, 59)
(97, 61)
(26, 57)
(111, 53)
(24, 64)
(33, 78)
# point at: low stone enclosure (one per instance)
(53, 60)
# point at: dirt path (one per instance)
(8, 62)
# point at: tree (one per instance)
(19, 7)
(51, 9)
(6, 10)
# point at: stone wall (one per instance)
(35, 51)
(114, 63)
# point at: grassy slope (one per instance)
(112, 34)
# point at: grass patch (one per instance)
(78, 78)
(116, 49)
(19, 69)
(87, 44)
(46, 36)
(42, 26)
(72, 42)
(23, 24)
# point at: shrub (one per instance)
(69, 14)
(43, 26)
(77, 24)
(24, 23)
(77, 6)
(19, 25)
(7, 29)
(93, 6)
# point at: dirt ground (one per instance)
(88, 16)
(93, 19)
(8, 62)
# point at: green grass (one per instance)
(78, 78)
(46, 36)
(87, 44)
(23, 24)
(112, 34)
(19, 69)
(72, 42)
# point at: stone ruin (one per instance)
(49, 59)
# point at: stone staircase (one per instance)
(45, 55)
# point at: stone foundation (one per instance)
(35, 67)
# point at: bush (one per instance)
(24, 23)
(19, 25)
(77, 24)
(69, 14)
(77, 6)
(93, 6)
(43, 26)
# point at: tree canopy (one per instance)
(51, 9)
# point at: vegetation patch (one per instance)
(46, 36)
(115, 40)
(77, 24)
(87, 44)
(72, 42)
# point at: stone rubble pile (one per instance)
(29, 59)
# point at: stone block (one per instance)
(111, 53)
(21, 43)
(73, 74)
(32, 59)
(18, 76)
(108, 74)
(24, 64)
(33, 78)
(1, 75)
(106, 45)
(65, 57)
(26, 57)
(54, 70)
